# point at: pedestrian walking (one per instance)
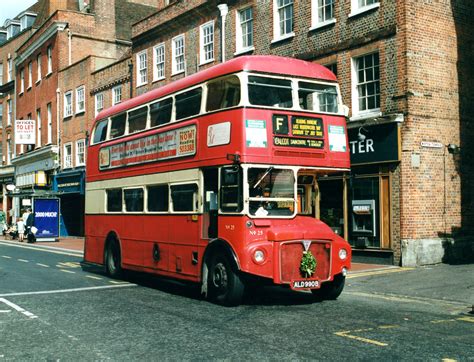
(29, 225)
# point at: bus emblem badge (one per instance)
(306, 244)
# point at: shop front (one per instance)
(360, 205)
(33, 174)
(69, 187)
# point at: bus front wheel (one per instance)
(224, 284)
(330, 290)
(113, 264)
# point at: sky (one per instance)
(11, 8)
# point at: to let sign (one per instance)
(25, 132)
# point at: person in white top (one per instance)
(20, 224)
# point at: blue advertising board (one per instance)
(46, 212)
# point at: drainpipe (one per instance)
(69, 36)
(130, 72)
(58, 122)
(224, 9)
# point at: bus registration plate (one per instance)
(304, 284)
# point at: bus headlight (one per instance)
(259, 256)
(342, 254)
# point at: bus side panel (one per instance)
(184, 238)
(94, 240)
(156, 247)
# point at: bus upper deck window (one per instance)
(160, 112)
(100, 132)
(188, 103)
(117, 128)
(270, 92)
(223, 93)
(137, 119)
(317, 97)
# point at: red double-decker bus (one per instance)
(213, 179)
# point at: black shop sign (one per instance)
(372, 144)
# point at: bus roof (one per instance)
(257, 63)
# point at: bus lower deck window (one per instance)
(184, 197)
(133, 199)
(114, 200)
(158, 198)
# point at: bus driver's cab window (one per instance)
(231, 189)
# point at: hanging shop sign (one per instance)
(373, 144)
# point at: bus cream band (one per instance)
(160, 146)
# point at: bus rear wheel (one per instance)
(330, 290)
(113, 263)
(224, 284)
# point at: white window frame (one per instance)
(1, 73)
(277, 34)
(357, 9)
(22, 80)
(80, 151)
(116, 94)
(9, 112)
(30, 75)
(316, 10)
(159, 58)
(10, 70)
(38, 68)
(38, 128)
(50, 123)
(80, 99)
(239, 31)
(67, 157)
(356, 112)
(50, 59)
(99, 102)
(175, 55)
(206, 41)
(142, 68)
(67, 104)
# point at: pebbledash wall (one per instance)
(412, 164)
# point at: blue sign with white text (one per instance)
(46, 212)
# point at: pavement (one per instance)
(76, 245)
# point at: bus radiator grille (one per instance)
(290, 259)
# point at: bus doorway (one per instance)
(209, 223)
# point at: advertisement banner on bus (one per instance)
(178, 142)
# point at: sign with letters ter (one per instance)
(46, 212)
(377, 143)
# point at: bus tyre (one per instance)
(224, 284)
(330, 290)
(113, 263)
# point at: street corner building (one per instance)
(404, 69)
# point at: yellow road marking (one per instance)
(388, 326)
(361, 339)
(92, 277)
(443, 321)
(377, 272)
(448, 360)
(67, 271)
(466, 319)
(43, 265)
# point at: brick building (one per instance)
(52, 87)
(404, 72)
(13, 33)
